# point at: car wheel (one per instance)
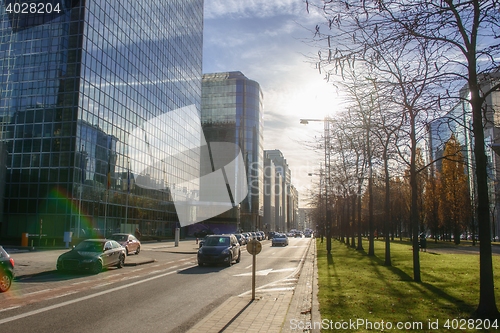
(96, 267)
(138, 250)
(230, 261)
(239, 257)
(5, 282)
(121, 262)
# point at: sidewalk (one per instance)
(274, 309)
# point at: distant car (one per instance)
(92, 255)
(219, 249)
(279, 239)
(248, 236)
(128, 241)
(241, 239)
(201, 242)
(6, 270)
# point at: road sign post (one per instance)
(254, 247)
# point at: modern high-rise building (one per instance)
(270, 190)
(74, 85)
(284, 215)
(231, 111)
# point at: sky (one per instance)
(267, 40)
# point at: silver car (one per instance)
(279, 239)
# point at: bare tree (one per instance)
(463, 34)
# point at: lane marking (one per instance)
(289, 277)
(266, 272)
(277, 289)
(67, 294)
(11, 308)
(36, 292)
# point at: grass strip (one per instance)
(356, 288)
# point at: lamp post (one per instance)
(328, 226)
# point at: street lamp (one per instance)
(326, 122)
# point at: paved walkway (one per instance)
(285, 307)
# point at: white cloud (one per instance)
(264, 40)
(252, 8)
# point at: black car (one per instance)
(6, 270)
(92, 255)
(219, 249)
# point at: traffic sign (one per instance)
(254, 247)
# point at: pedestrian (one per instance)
(423, 243)
(137, 233)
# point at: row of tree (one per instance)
(404, 64)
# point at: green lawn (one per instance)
(356, 288)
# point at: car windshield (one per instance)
(89, 247)
(119, 238)
(217, 241)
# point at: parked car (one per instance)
(219, 249)
(262, 235)
(248, 236)
(6, 270)
(279, 239)
(92, 255)
(241, 239)
(128, 241)
(201, 242)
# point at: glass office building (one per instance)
(74, 85)
(232, 111)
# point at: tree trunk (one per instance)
(387, 210)
(414, 200)
(487, 307)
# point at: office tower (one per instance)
(283, 219)
(73, 86)
(231, 111)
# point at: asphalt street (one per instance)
(170, 294)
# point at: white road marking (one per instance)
(265, 272)
(11, 308)
(277, 289)
(58, 296)
(36, 292)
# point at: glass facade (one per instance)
(232, 111)
(73, 87)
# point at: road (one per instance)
(169, 295)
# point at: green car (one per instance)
(92, 255)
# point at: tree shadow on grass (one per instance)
(439, 294)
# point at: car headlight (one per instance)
(200, 250)
(226, 251)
